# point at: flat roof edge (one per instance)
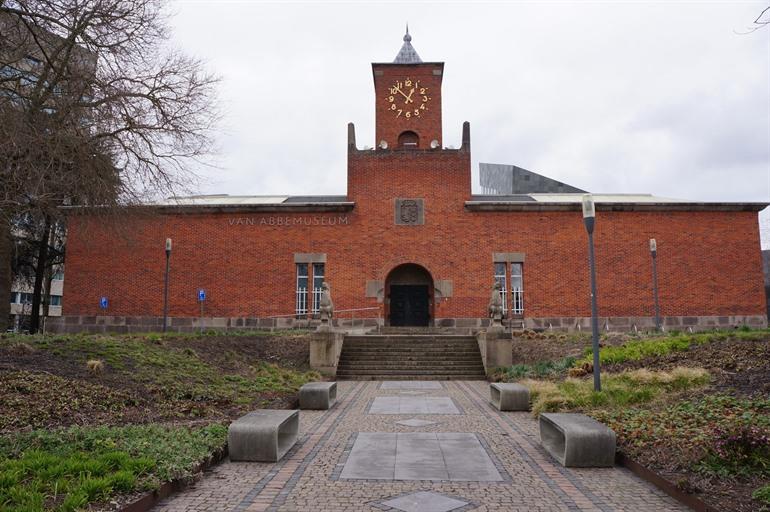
(238, 208)
(502, 206)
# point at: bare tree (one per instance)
(95, 109)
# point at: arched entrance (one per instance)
(409, 296)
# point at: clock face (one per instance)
(407, 98)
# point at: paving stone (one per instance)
(411, 384)
(420, 456)
(413, 405)
(414, 422)
(310, 476)
(425, 502)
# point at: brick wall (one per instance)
(428, 124)
(709, 262)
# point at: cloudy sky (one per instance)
(670, 98)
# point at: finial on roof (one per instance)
(407, 54)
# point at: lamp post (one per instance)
(165, 285)
(589, 218)
(654, 253)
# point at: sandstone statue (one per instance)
(496, 311)
(326, 305)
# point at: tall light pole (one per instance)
(165, 285)
(654, 253)
(589, 218)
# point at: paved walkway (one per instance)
(416, 447)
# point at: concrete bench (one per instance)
(575, 440)
(263, 436)
(318, 395)
(509, 397)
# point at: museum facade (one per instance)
(410, 244)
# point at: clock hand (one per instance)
(402, 93)
(409, 98)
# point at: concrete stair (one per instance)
(424, 356)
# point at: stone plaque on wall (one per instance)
(410, 212)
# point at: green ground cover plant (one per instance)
(66, 469)
(635, 350)
(619, 390)
(762, 495)
(540, 370)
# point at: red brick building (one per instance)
(410, 244)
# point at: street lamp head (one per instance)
(653, 245)
(168, 245)
(589, 210)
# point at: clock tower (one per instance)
(408, 101)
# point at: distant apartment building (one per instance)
(21, 302)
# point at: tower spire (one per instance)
(407, 54)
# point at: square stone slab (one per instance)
(413, 405)
(411, 384)
(447, 456)
(425, 501)
(414, 422)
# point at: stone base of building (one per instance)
(646, 323)
(133, 324)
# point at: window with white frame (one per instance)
(318, 281)
(302, 281)
(517, 289)
(55, 300)
(500, 277)
(515, 271)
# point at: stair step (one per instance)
(406, 355)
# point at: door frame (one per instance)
(410, 273)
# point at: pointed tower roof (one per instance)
(407, 54)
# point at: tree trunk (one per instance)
(6, 253)
(40, 264)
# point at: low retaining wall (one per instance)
(646, 323)
(138, 324)
(130, 324)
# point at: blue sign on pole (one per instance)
(103, 303)
(201, 295)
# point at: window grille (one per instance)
(318, 281)
(302, 281)
(517, 289)
(501, 278)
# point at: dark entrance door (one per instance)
(409, 304)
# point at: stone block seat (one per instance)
(575, 440)
(318, 395)
(509, 396)
(263, 436)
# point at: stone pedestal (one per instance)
(496, 347)
(325, 348)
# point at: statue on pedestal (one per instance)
(326, 305)
(496, 311)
